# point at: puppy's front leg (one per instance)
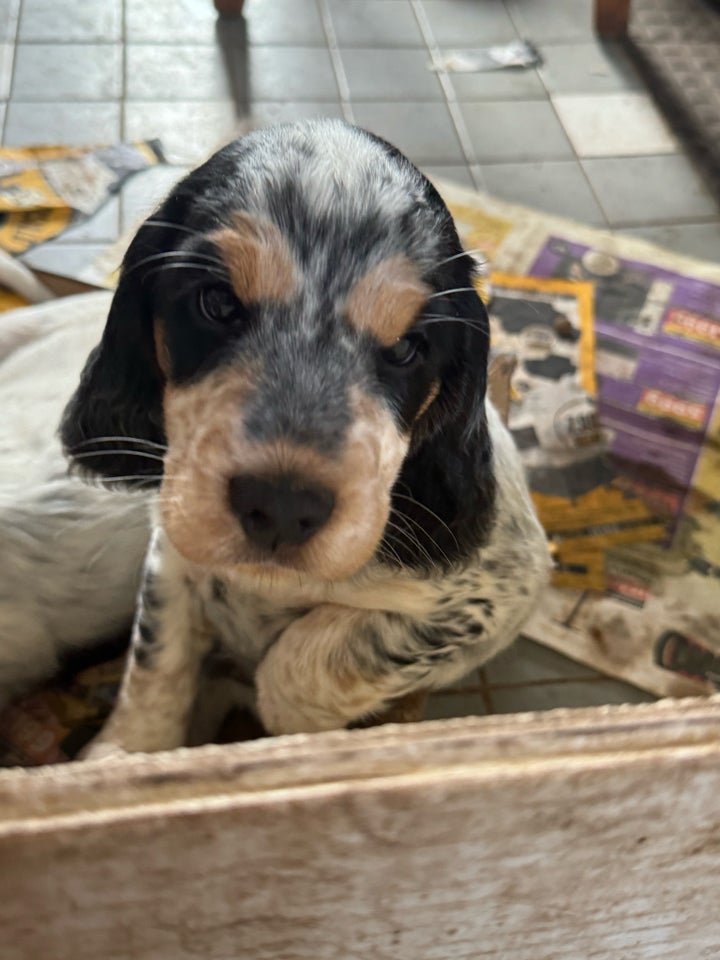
(331, 667)
(158, 691)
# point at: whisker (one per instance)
(447, 293)
(115, 453)
(465, 253)
(147, 443)
(206, 268)
(174, 226)
(189, 255)
(131, 476)
(427, 510)
(409, 537)
(432, 541)
(477, 325)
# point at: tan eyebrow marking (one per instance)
(386, 301)
(261, 264)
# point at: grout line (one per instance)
(681, 222)
(13, 42)
(458, 691)
(555, 681)
(336, 59)
(447, 88)
(485, 691)
(478, 176)
(548, 95)
(123, 67)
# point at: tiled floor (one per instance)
(579, 136)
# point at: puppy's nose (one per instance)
(279, 510)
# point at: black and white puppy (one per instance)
(295, 359)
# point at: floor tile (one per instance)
(442, 706)
(515, 131)
(67, 259)
(614, 125)
(194, 21)
(469, 24)
(588, 68)
(270, 111)
(375, 23)
(60, 21)
(143, 192)
(574, 693)
(498, 85)
(390, 75)
(700, 240)
(9, 15)
(6, 64)
(424, 131)
(178, 72)
(101, 227)
(637, 190)
(67, 71)
(455, 174)
(170, 21)
(557, 187)
(284, 21)
(77, 124)
(526, 662)
(188, 132)
(559, 21)
(297, 73)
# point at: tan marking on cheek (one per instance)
(259, 260)
(161, 349)
(429, 400)
(387, 300)
(202, 424)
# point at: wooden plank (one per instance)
(591, 833)
(612, 18)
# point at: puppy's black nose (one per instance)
(279, 511)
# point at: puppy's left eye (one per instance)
(219, 304)
(404, 351)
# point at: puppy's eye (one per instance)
(404, 351)
(218, 304)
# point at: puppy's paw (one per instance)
(281, 712)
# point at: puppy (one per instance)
(293, 374)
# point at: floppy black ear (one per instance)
(445, 496)
(114, 418)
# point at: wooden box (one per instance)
(571, 835)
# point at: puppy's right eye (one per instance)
(218, 304)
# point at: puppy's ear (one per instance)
(114, 418)
(445, 496)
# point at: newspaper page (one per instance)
(44, 190)
(653, 615)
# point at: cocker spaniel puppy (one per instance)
(295, 360)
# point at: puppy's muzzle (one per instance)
(280, 510)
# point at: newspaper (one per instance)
(44, 190)
(650, 545)
(548, 325)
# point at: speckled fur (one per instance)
(310, 644)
